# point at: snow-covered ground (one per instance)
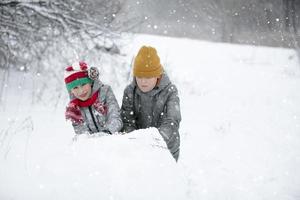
(240, 134)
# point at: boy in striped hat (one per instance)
(93, 107)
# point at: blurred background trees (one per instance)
(255, 22)
(43, 36)
(30, 28)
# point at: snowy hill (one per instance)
(240, 134)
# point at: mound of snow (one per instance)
(132, 166)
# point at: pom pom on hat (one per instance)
(69, 68)
(83, 65)
(147, 63)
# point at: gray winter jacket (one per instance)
(95, 121)
(158, 108)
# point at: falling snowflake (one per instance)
(213, 31)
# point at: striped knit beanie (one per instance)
(79, 74)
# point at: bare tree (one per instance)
(290, 15)
(35, 35)
(29, 27)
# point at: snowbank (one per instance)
(239, 133)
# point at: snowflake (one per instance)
(213, 31)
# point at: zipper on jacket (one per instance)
(93, 117)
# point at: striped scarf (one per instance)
(73, 112)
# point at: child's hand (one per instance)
(73, 113)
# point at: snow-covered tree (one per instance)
(29, 28)
(44, 36)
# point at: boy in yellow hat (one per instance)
(151, 100)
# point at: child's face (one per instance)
(82, 92)
(146, 84)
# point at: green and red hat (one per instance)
(76, 75)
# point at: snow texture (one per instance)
(239, 134)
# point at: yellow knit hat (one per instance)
(147, 63)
